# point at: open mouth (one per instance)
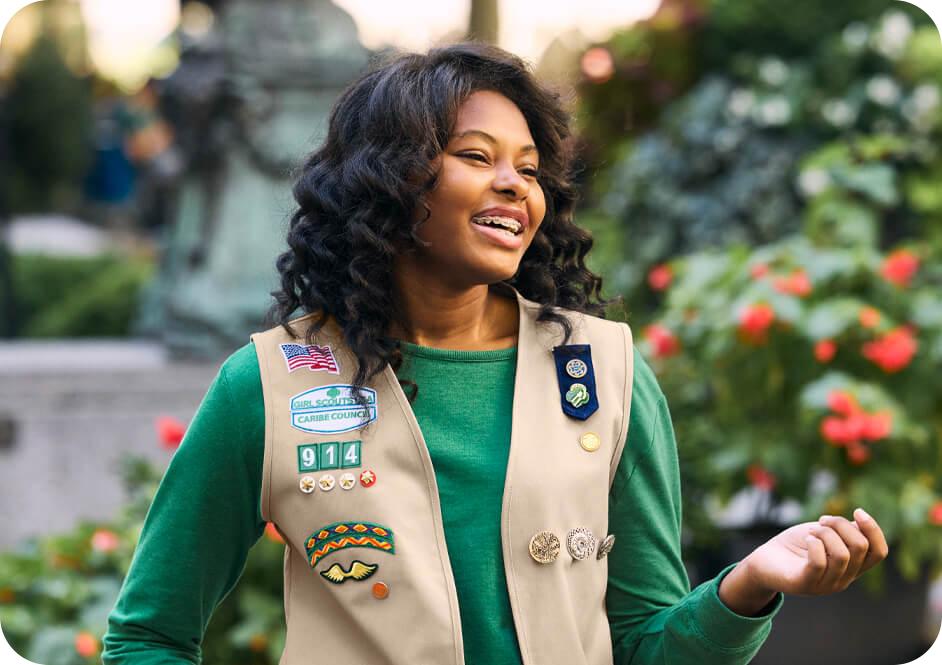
(511, 227)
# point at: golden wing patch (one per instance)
(358, 571)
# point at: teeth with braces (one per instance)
(508, 223)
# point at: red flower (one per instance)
(272, 533)
(842, 403)
(935, 513)
(857, 454)
(797, 284)
(893, 351)
(104, 540)
(759, 270)
(899, 267)
(877, 426)
(663, 342)
(835, 431)
(869, 317)
(86, 645)
(170, 431)
(760, 477)
(824, 350)
(754, 322)
(660, 277)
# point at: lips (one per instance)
(503, 211)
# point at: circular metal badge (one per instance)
(544, 547)
(606, 546)
(307, 484)
(581, 543)
(590, 441)
(576, 368)
(380, 590)
(348, 481)
(327, 482)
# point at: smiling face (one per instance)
(489, 163)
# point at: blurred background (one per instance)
(763, 180)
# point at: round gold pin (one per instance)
(544, 547)
(307, 484)
(590, 441)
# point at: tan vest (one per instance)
(380, 590)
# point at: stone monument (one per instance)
(248, 101)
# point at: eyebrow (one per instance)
(490, 139)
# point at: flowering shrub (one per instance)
(56, 592)
(813, 373)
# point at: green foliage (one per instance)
(78, 296)
(736, 159)
(46, 116)
(55, 588)
(751, 396)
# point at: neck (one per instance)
(439, 315)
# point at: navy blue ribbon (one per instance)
(563, 355)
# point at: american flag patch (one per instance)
(312, 356)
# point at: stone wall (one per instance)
(68, 411)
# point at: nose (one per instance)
(508, 181)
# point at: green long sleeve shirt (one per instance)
(210, 495)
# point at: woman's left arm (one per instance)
(655, 618)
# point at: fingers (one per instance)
(878, 548)
(838, 556)
(817, 560)
(856, 543)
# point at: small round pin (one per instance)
(544, 547)
(581, 543)
(576, 368)
(307, 484)
(326, 482)
(590, 441)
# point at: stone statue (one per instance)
(248, 101)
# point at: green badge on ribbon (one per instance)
(577, 395)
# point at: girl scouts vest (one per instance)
(367, 575)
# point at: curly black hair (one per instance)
(358, 192)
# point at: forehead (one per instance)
(495, 114)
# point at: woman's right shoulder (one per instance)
(241, 374)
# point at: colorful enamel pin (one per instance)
(342, 535)
(315, 358)
(576, 378)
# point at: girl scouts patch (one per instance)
(315, 358)
(342, 535)
(332, 409)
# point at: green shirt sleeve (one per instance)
(200, 526)
(654, 617)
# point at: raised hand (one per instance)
(809, 559)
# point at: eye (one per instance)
(531, 173)
(473, 155)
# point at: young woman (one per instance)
(522, 503)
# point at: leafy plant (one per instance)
(56, 592)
